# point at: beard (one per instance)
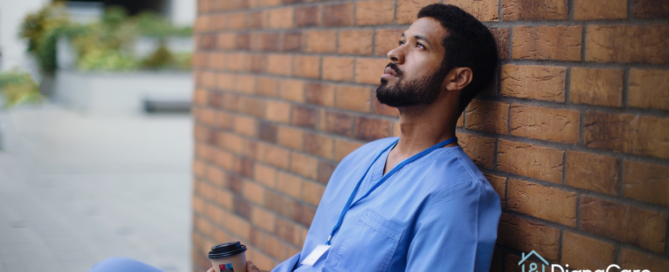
(422, 91)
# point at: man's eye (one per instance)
(419, 45)
(401, 42)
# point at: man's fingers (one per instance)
(250, 267)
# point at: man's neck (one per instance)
(421, 128)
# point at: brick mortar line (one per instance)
(581, 232)
(623, 201)
(565, 146)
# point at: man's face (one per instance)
(413, 77)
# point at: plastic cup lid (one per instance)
(226, 250)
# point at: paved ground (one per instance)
(76, 189)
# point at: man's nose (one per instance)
(396, 55)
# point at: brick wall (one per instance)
(574, 135)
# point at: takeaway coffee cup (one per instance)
(228, 257)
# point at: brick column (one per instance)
(574, 135)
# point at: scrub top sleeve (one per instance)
(446, 234)
(288, 265)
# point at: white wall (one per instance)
(182, 12)
(12, 47)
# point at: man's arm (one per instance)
(456, 231)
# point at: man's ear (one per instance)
(458, 78)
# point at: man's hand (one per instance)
(250, 267)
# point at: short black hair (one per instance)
(468, 44)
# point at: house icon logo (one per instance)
(533, 266)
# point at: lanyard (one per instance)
(349, 203)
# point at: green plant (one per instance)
(41, 29)
(18, 87)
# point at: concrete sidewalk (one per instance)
(76, 189)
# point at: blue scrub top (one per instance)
(438, 213)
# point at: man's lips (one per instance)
(389, 72)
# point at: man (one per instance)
(421, 204)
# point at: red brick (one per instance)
(338, 68)
(337, 122)
(353, 98)
(646, 182)
(387, 39)
(325, 169)
(236, 20)
(305, 117)
(291, 137)
(263, 219)
(579, 251)
(627, 43)
(254, 192)
(481, 150)
(237, 62)
(526, 235)
(344, 147)
(502, 39)
(634, 261)
(243, 41)
(255, 107)
(265, 175)
(628, 224)
(266, 41)
(489, 116)
(556, 125)
(307, 16)
(313, 192)
(513, 10)
(281, 18)
(407, 10)
(375, 12)
(257, 63)
(291, 41)
(225, 81)
(533, 161)
(321, 41)
(649, 89)
(267, 131)
(302, 214)
(279, 64)
(603, 87)
(634, 134)
(289, 184)
(278, 111)
(266, 3)
(368, 129)
(277, 156)
(303, 165)
(534, 82)
(593, 172)
(256, 20)
(650, 9)
(596, 10)
(369, 71)
(487, 10)
(319, 145)
(307, 66)
(291, 90)
(275, 248)
(547, 42)
(338, 14)
(320, 94)
(288, 231)
(547, 203)
(355, 42)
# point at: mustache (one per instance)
(397, 70)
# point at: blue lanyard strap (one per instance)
(395, 169)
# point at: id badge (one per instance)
(316, 254)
